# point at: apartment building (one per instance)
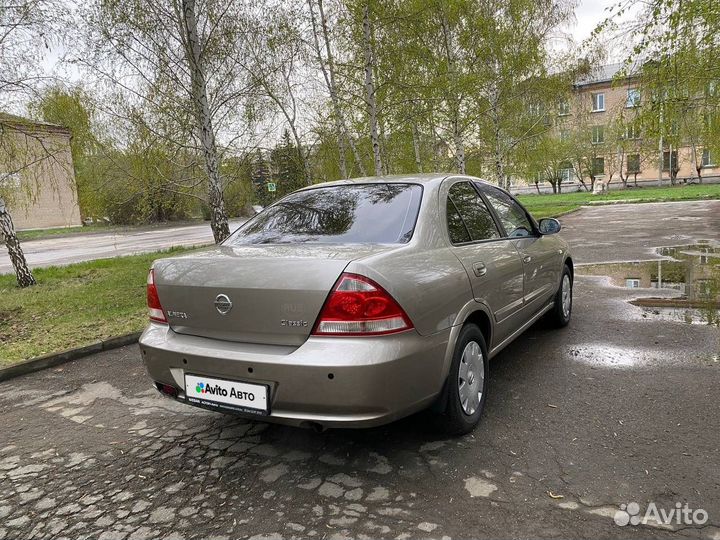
(598, 102)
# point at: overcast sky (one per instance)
(588, 14)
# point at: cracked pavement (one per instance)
(613, 409)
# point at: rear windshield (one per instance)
(352, 214)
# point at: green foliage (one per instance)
(288, 173)
(73, 109)
(239, 191)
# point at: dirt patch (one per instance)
(12, 325)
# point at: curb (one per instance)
(566, 212)
(610, 202)
(55, 359)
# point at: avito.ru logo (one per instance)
(216, 389)
(629, 514)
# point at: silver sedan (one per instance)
(355, 303)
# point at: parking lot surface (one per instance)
(616, 408)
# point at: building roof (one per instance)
(22, 123)
(606, 74)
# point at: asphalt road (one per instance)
(615, 408)
(74, 248)
(628, 232)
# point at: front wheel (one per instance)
(562, 307)
(467, 382)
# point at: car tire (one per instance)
(561, 311)
(467, 382)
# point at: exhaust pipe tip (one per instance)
(315, 426)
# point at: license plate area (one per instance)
(227, 395)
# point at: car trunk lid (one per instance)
(270, 294)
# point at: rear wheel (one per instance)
(467, 382)
(562, 307)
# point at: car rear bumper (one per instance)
(330, 381)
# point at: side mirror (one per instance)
(549, 226)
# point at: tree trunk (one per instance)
(453, 99)
(497, 146)
(459, 148)
(370, 92)
(203, 116)
(334, 93)
(624, 177)
(416, 147)
(341, 131)
(697, 163)
(672, 171)
(300, 152)
(537, 187)
(17, 257)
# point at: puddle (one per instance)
(688, 278)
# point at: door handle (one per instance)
(527, 259)
(479, 269)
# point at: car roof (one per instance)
(420, 178)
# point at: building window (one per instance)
(632, 131)
(598, 102)
(707, 160)
(563, 107)
(566, 172)
(564, 134)
(668, 158)
(598, 166)
(535, 109)
(632, 283)
(633, 97)
(598, 134)
(633, 163)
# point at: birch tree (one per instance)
(171, 66)
(31, 158)
(511, 48)
(25, 27)
(370, 92)
(325, 57)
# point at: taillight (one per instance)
(155, 310)
(359, 306)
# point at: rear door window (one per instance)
(473, 214)
(456, 227)
(511, 214)
(345, 214)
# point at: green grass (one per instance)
(553, 205)
(73, 305)
(37, 234)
